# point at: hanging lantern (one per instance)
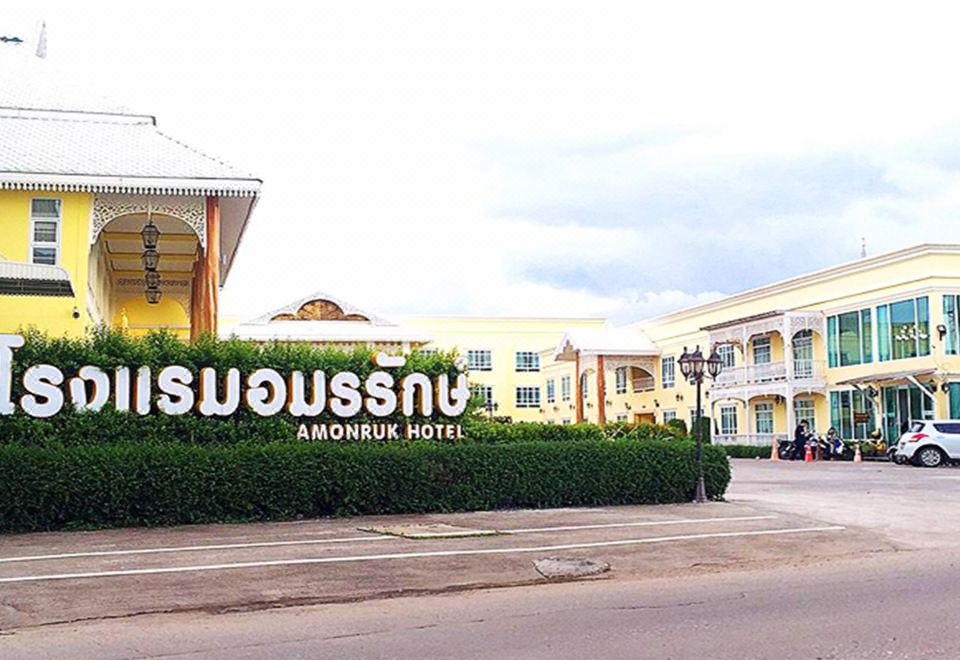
(152, 296)
(151, 259)
(152, 278)
(150, 235)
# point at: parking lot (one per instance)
(776, 513)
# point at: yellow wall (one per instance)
(48, 313)
(503, 337)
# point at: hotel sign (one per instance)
(46, 391)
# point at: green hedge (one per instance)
(57, 487)
(746, 451)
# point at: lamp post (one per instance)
(693, 366)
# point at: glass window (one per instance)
(883, 332)
(668, 415)
(551, 390)
(622, 417)
(866, 335)
(565, 421)
(764, 414)
(832, 359)
(528, 397)
(45, 231)
(761, 350)
(565, 388)
(903, 329)
(849, 325)
(804, 410)
(527, 361)
(584, 386)
(849, 414)
(728, 420)
(621, 377)
(484, 392)
(954, 395)
(727, 355)
(478, 360)
(950, 308)
(668, 369)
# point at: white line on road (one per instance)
(194, 548)
(414, 555)
(274, 544)
(646, 523)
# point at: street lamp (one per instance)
(693, 366)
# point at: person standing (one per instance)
(800, 436)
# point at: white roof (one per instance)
(108, 153)
(326, 331)
(348, 308)
(605, 341)
(375, 329)
(18, 270)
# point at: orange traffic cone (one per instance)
(808, 456)
(857, 456)
(774, 451)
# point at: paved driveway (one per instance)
(913, 507)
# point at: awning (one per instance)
(23, 279)
(888, 376)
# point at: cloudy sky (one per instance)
(554, 159)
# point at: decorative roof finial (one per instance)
(863, 248)
(42, 41)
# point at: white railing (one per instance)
(770, 372)
(754, 439)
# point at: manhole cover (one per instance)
(429, 531)
(559, 567)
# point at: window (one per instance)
(479, 360)
(849, 414)
(484, 392)
(528, 361)
(427, 351)
(668, 370)
(565, 388)
(903, 329)
(551, 390)
(804, 410)
(528, 397)
(951, 428)
(622, 417)
(668, 415)
(565, 421)
(764, 415)
(727, 355)
(761, 350)
(621, 377)
(728, 420)
(584, 386)
(45, 231)
(951, 312)
(850, 338)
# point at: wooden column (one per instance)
(196, 296)
(207, 280)
(601, 392)
(578, 392)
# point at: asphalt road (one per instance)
(880, 583)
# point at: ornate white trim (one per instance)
(191, 210)
(130, 185)
(614, 362)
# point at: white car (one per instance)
(930, 443)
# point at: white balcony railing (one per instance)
(753, 439)
(769, 372)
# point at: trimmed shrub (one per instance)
(746, 451)
(57, 487)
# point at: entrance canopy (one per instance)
(888, 377)
(604, 341)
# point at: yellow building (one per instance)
(505, 358)
(79, 182)
(864, 345)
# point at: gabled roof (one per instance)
(322, 318)
(605, 341)
(42, 149)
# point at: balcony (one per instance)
(770, 372)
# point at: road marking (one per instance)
(648, 523)
(380, 537)
(194, 548)
(413, 555)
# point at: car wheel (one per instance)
(930, 457)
